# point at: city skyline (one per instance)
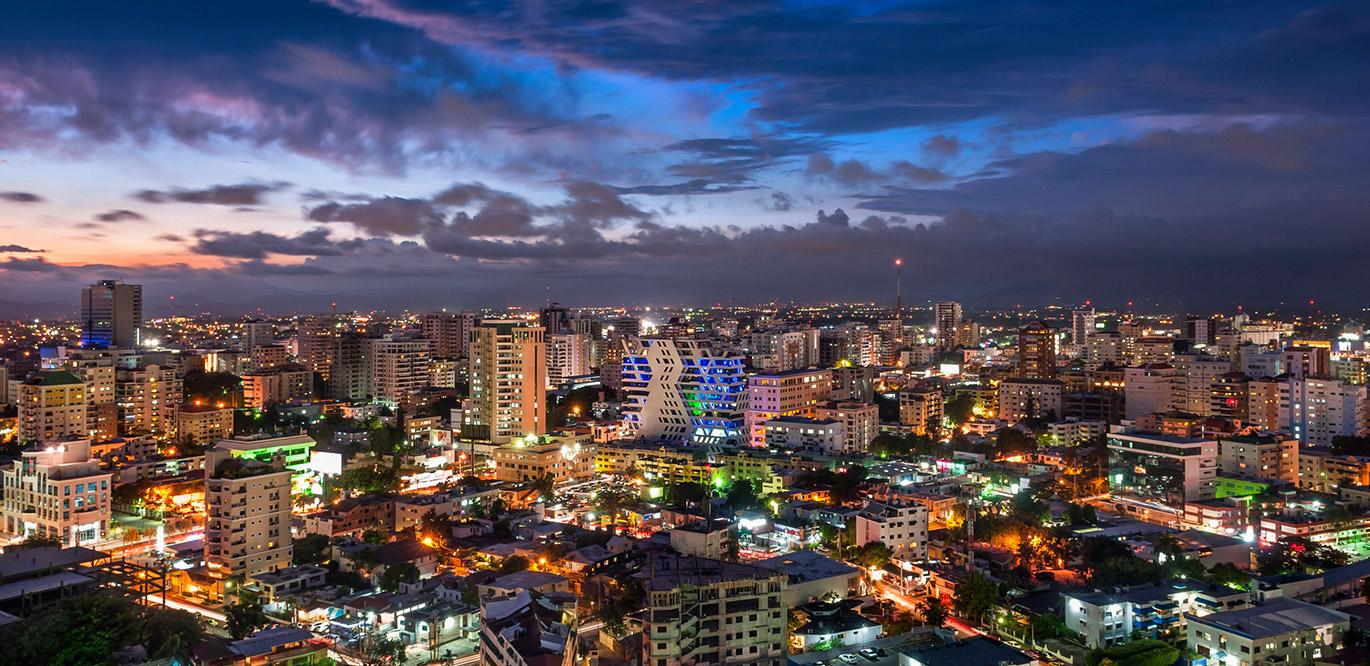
(389, 154)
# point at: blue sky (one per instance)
(407, 153)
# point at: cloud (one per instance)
(778, 202)
(837, 219)
(686, 188)
(260, 244)
(855, 173)
(119, 215)
(20, 197)
(244, 194)
(383, 215)
(18, 249)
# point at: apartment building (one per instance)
(57, 491)
(247, 514)
(707, 611)
(1282, 631)
(789, 393)
(902, 527)
(1158, 610)
(1265, 456)
(860, 420)
(920, 408)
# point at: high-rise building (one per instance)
(902, 527)
(554, 318)
(527, 629)
(1307, 361)
(450, 332)
(399, 368)
(1081, 325)
(257, 333)
(147, 398)
(947, 320)
(1031, 398)
(568, 355)
(314, 343)
(1263, 403)
(284, 384)
(350, 368)
(1148, 389)
(203, 425)
(1317, 410)
(684, 390)
(247, 514)
(781, 350)
(59, 492)
(792, 393)
(112, 314)
(920, 408)
(1103, 348)
(968, 334)
(507, 368)
(1194, 378)
(1037, 351)
(1228, 396)
(96, 367)
(52, 407)
(706, 611)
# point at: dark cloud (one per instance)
(35, 265)
(942, 146)
(18, 249)
(838, 218)
(260, 244)
(689, 187)
(244, 194)
(778, 202)
(855, 173)
(119, 215)
(737, 160)
(20, 197)
(384, 215)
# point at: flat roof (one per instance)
(803, 566)
(25, 561)
(976, 651)
(1280, 616)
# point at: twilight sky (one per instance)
(415, 153)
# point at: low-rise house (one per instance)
(827, 624)
(1106, 618)
(813, 576)
(288, 581)
(1283, 631)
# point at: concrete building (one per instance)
(201, 425)
(804, 434)
(96, 366)
(247, 514)
(283, 384)
(448, 332)
(1162, 470)
(57, 491)
(920, 408)
(507, 367)
(1303, 361)
(1148, 389)
(789, 393)
(1081, 325)
(1025, 397)
(904, 528)
(1266, 456)
(1282, 631)
(1316, 410)
(527, 629)
(814, 576)
(562, 456)
(52, 407)
(860, 420)
(112, 314)
(1158, 610)
(1325, 472)
(947, 320)
(399, 368)
(684, 390)
(1263, 403)
(1103, 348)
(714, 539)
(706, 611)
(568, 355)
(1037, 351)
(147, 398)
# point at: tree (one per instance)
(546, 487)
(975, 596)
(381, 651)
(375, 537)
(960, 409)
(513, 564)
(612, 501)
(687, 492)
(742, 496)
(36, 540)
(934, 613)
(244, 617)
(1226, 573)
(404, 572)
(873, 555)
(311, 549)
(1148, 652)
(1081, 514)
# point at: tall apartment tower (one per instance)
(684, 390)
(789, 393)
(507, 367)
(1037, 351)
(112, 314)
(555, 318)
(948, 321)
(568, 355)
(314, 343)
(1081, 325)
(705, 611)
(399, 368)
(448, 331)
(247, 515)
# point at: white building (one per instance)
(1194, 377)
(904, 528)
(1162, 470)
(801, 433)
(684, 390)
(399, 368)
(568, 355)
(706, 611)
(1026, 397)
(58, 491)
(1282, 631)
(1317, 410)
(1148, 389)
(860, 420)
(1103, 347)
(1108, 618)
(247, 514)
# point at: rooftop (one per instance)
(803, 566)
(977, 651)
(1281, 616)
(667, 571)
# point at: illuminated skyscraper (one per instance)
(1037, 351)
(507, 365)
(683, 390)
(948, 323)
(112, 314)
